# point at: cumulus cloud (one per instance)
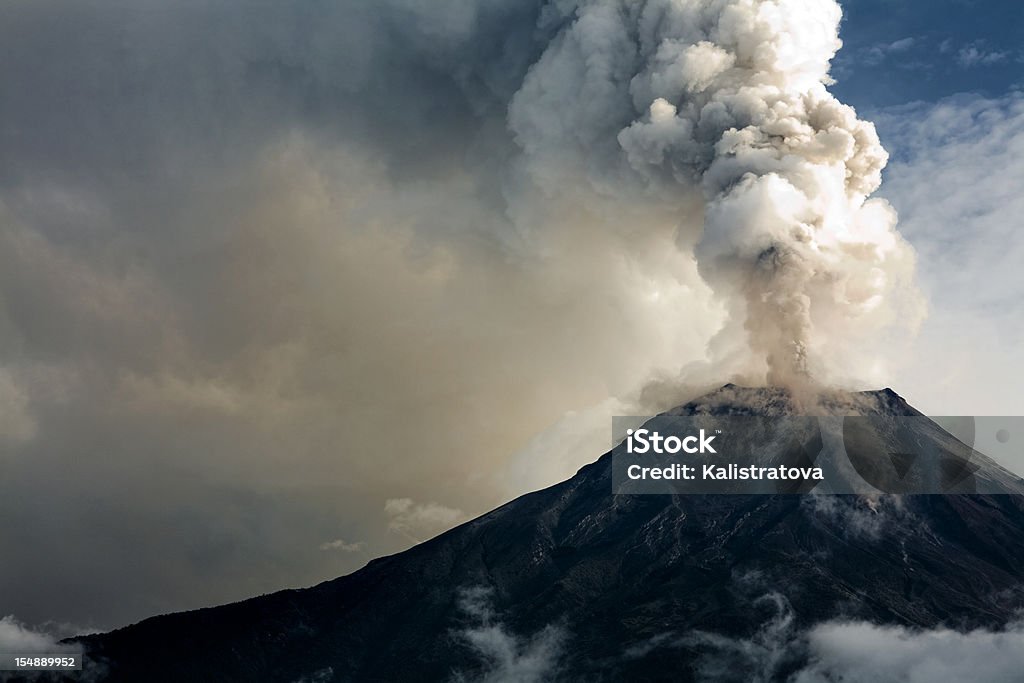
(507, 657)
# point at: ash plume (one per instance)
(266, 249)
(727, 100)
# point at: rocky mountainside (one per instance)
(574, 583)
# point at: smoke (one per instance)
(266, 267)
(758, 658)
(508, 658)
(727, 101)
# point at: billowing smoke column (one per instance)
(281, 224)
(728, 99)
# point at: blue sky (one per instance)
(943, 82)
(896, 52)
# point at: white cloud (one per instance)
(878, 53)
(344, 546)
(976, 54)
(723, 659)
(848, 651)
(856, 516)
(16, 637)
(859, 652)
(955, 181)
(507, 657)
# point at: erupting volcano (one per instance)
(575, 583)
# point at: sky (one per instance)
(943, 83)
(899, 52)
(288, 286)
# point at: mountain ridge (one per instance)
(611, 574)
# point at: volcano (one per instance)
(575, 583)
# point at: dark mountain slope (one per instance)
(615, 579)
